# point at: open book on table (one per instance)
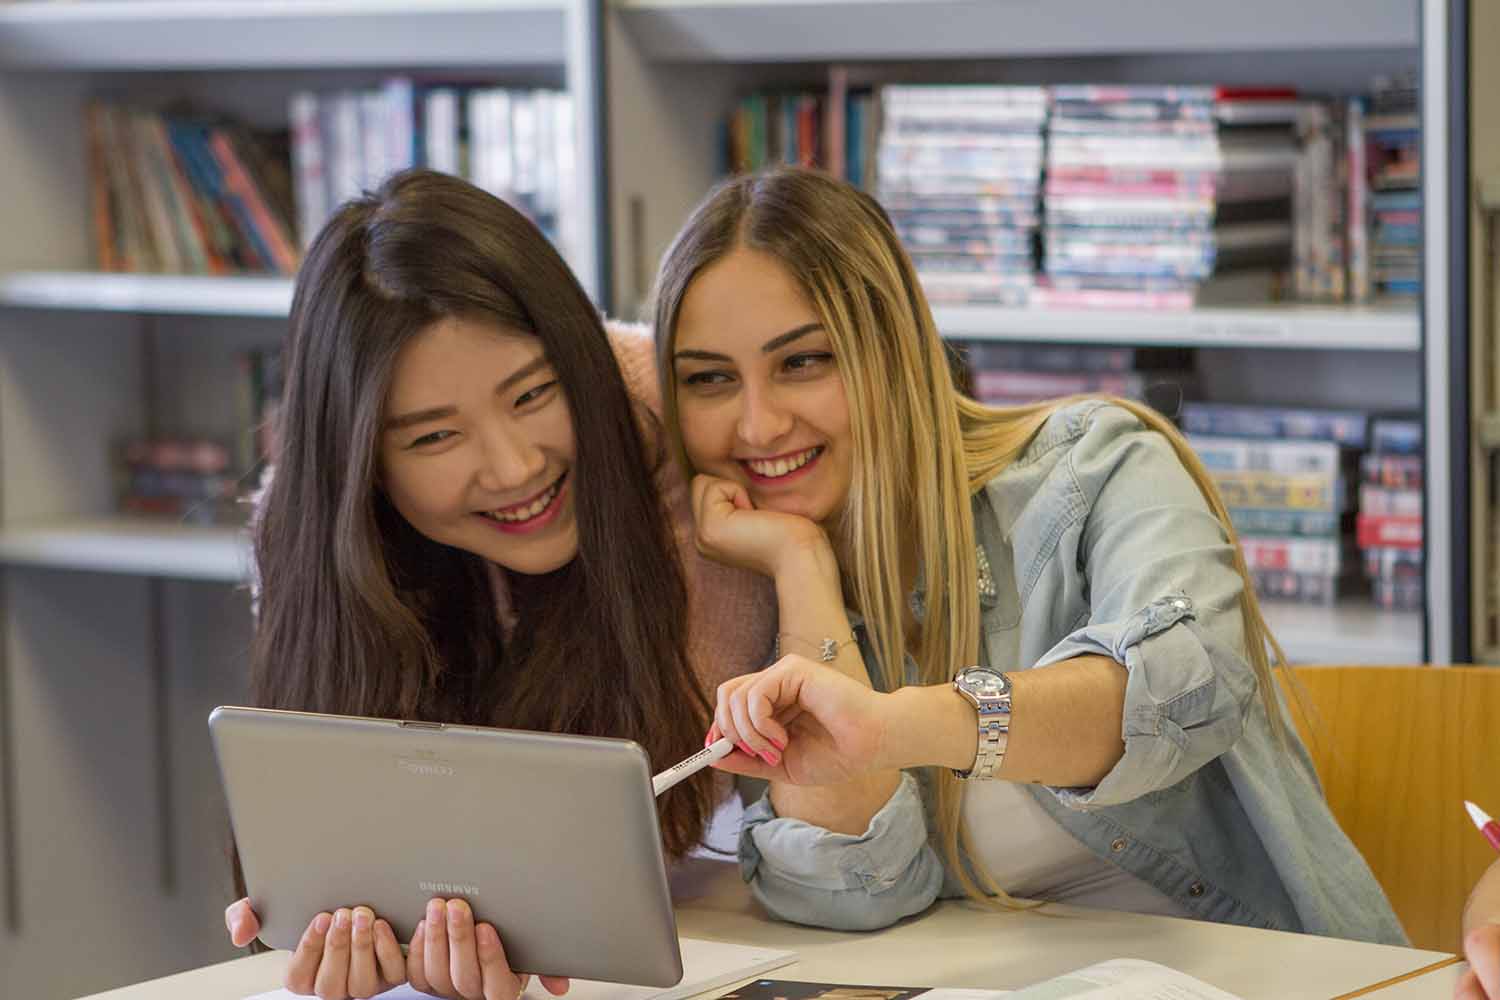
(1117, 979)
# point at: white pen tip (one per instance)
(1479, 816)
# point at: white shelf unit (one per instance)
(1290, 326)
(1347, 632)
(133, 546)
(814, 30)
(118, 635)
(195, 295)
(272, 34)
(677, 67)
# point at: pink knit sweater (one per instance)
(731, 612)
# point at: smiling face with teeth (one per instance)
(760, 400)
(477, 445)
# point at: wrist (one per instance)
(928, 726)
(809, 557)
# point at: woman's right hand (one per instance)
(821, 726)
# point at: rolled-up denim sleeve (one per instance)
(810, 875)
(1164, 602)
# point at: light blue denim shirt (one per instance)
(1098, 542)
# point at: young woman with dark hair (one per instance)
(473, 520)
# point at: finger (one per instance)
(435, 954)
(750, 767)
(243, 924)
(500, 982)
(463, 963)
(333, 972)
(302, 971)
(416, 959)
(364, 977)
(556, 985)
(388, 954)
(1468, 987)
(713, 735)
(762, 712)
(1482, 949)
(758, 745)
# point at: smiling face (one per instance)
(759, 397)
(477, 447)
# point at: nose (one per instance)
(509, 460)
(763, 420)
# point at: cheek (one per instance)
(418, 494)
(703, 432)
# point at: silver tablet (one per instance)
(552, 839)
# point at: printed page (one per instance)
(1123, 979)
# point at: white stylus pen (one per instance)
(717, 750)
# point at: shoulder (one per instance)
(635, 353)
(1081, 447)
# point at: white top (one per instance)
(1031, 856)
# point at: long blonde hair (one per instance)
(935, 447)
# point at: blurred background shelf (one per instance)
(148, 293)
(1294, 325)
(757, 30)
(269, 34)
(132, 546)
(1351, 631)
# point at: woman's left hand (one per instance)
(732, 531)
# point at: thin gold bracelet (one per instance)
(828, 647)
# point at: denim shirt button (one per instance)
(1195, 890)
(1117, 845)
(1180, 604)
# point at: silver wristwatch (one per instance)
(989, 692)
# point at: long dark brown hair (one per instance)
(361, 614)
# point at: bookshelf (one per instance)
(117, 635)
(678, 66)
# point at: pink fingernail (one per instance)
(321, 923)
(708, 739)
(744, 748)
(771, 757)
(778, 744)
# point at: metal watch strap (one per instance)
(989, 692)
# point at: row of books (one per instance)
(1139, 196)
(1326, 503)
(518, 144)
(1016, 374)
(186, 194)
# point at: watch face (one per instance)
(983, 681)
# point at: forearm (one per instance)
(1064, 730)
(811, 606)
(1484, 902)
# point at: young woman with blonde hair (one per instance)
(1076, 552)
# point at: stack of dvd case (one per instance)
(1152, 191)
(959, 171)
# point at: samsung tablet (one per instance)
(552, 839)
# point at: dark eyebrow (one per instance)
(444, 412)
(775, 343)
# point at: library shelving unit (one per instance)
(676, 67)
(118, 635)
